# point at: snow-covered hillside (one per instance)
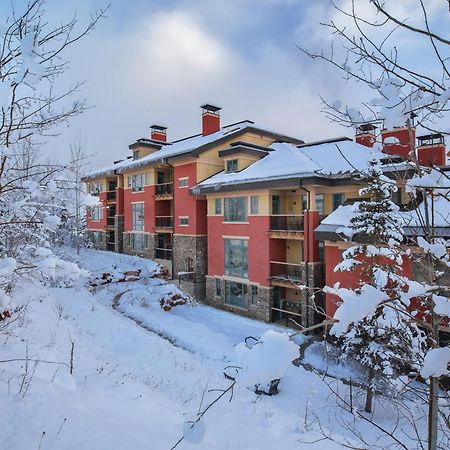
(139, 373)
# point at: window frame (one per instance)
(334, 200)
(235, 213)
(231, 165)
(232, 247)
(183, 182)
(138, 224)
(228, 285)
(254, 204)
(183, 219)
(218, 210)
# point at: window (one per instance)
(218, 206)
(183, 182)
(254, 204)
(138, 216)
(184, 221)
(138, 241)
(94, 188)
(96, 213)
(96, 237)
(304, 202)
(338, 200)
(319, 204)
(218, 287)
(135, 155)
(235, 294)
(136, 182)
(232, 165)
(235, 209)
(236, 257)
(253, 294)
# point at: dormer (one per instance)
(241, 155)
(145, 146)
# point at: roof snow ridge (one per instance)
(325, 141)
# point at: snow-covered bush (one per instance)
(173, 299)
(261, 365)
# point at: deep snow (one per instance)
(132, 388)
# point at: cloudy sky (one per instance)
(157, 61)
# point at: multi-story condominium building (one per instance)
(146, 207)
(233, 212)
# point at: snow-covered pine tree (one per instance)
(386, 341)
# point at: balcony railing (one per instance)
(163, 253)
(289, 272)
(110, 221)
(287, 222)
(287, 312)
(164, 221)
(111, 195)
(164, 189)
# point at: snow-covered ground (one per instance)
(139, 373)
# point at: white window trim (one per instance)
(183, 217)
(183, 179)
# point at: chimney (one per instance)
(210, 119)
(431, 150)
(365, 134)
(158, 133)
(396, 141)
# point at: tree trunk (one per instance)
(369, 392)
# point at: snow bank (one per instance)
(266, 360)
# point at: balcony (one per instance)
(163, 253)
(164, 224)
(286, 275)
(110, 221)
(111, 196)
(286, 226)
(164, 191)
(287, 312)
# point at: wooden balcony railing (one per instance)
(110, 221)
(164, 221)
(111, 195)
(287, 222)
(163, 253)
(164, 189)
(288, 272)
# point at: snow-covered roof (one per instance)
(186, 145)
(324, 159)
(108, 170)
(412, 220)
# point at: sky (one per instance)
(157, 61)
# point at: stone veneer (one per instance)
(148, 252)
(260, 310)
(193, 248)
(118, 234)
(101, 245)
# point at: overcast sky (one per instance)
(157, 61)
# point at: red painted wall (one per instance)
(433, 155)
(101, 224)
(365, 139)
(186, 204)
(261, 249)
(147, 196)
(119, 201)
(210, 123)
(403, 148)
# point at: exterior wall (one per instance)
(146, 196)
(99, 225)
(102, 245)
(186, 205)
(404, 146)
(431, 155)
(148, 252)
(260, 310)
(190, 250)
(118, 231)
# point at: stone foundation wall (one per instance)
(118, 234)
(102, 245)
(260, 309)
(190, 255)
(148, 252)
